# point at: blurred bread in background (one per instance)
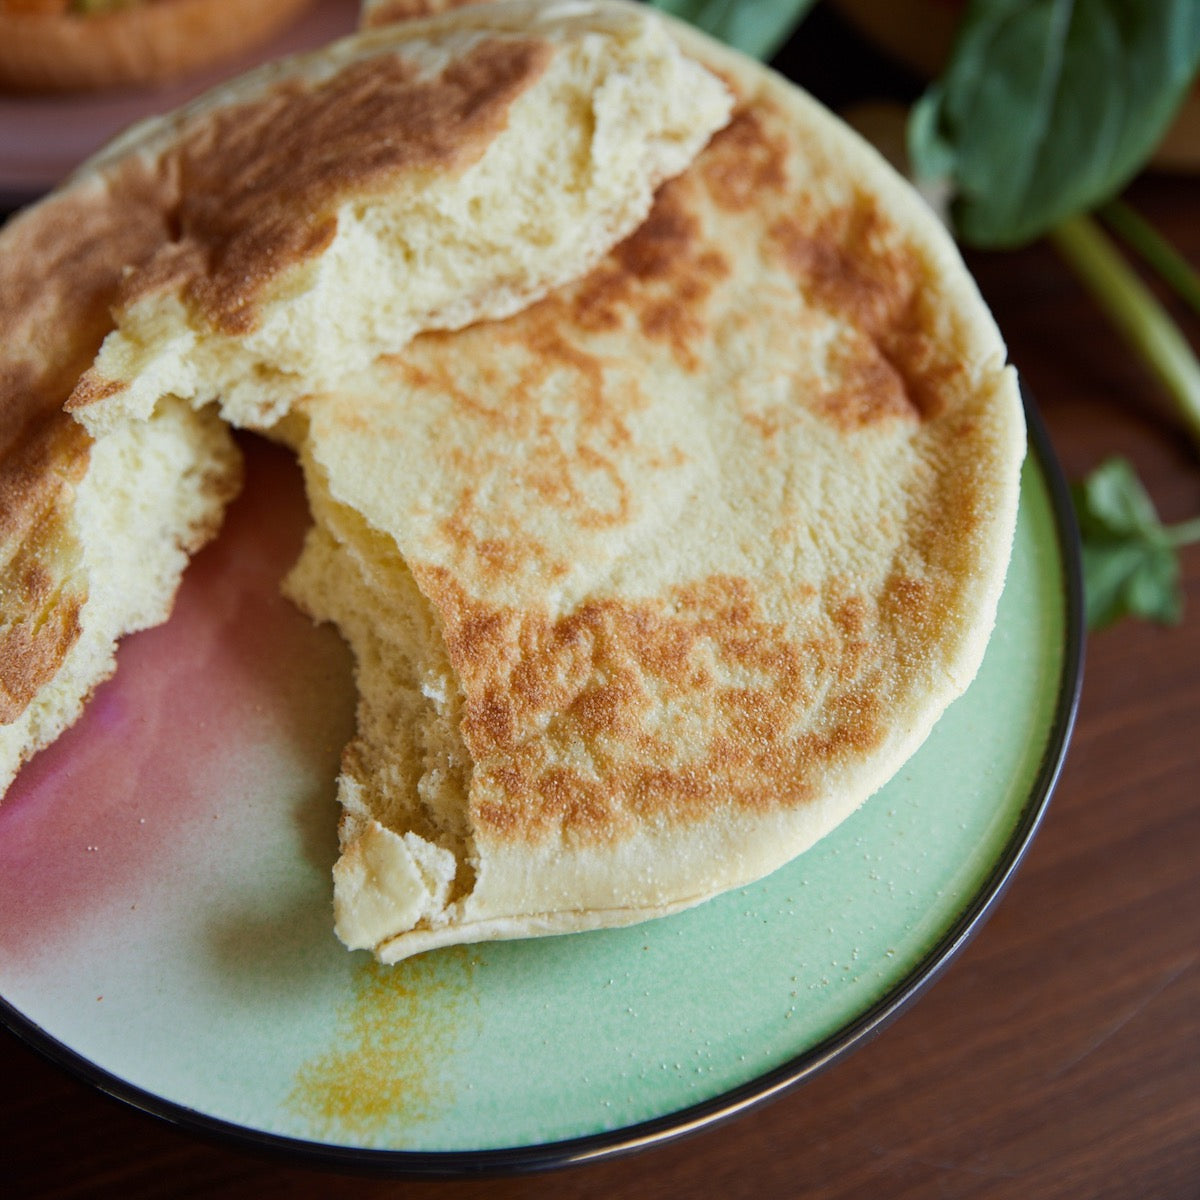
(87, 45)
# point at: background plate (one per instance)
(164, 874)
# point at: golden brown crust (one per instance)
(847, 262)
(660, 277)
(664, 287)
(376, 13)
(42, 594)
(260, 181)
(851, 264)
(60, 271)
(143, 44)
(61, 265)
(542, 692)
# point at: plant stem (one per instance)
(1184, 533)
(1142, 237)
(1133, 309)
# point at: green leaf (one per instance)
(1048, 107)
(1130, 563)
(1133, 578)
(1115, 502)
(756, 27)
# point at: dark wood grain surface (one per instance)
(1058, 1056)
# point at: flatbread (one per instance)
(420, 176)
(649, 583)
(263, 241)
(92, 539)
(652, 584)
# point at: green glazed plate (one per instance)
(164, 879)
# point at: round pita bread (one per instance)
(652, 584)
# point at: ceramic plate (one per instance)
(164, 875)
(44, 137)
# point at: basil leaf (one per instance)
(1048, 107)
(1115, 503)
(1132, 578)
(756, 27)
(1130, 563)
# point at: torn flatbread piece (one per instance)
(420, 176)
(93, 537)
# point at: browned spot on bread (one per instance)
(42, 605)
(655, 249)
(32, 651)
(261, 181)
(743, 161)
(528, 407)
(37, 469)
(388, 12)
(853, 264)
(663, 710)
(660, 277)
(64, 258)
(853, 727)
(60, 266)
(869, 389)
(911, 603)
(91, 389)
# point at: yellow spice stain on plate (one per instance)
(392, 1041)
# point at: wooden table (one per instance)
(1058, 1056)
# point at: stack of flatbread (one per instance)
(267, 239)
(663, 459)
